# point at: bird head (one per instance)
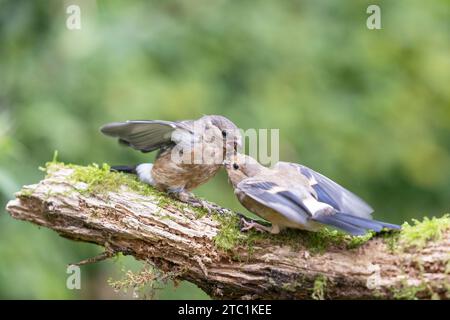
(240, 167)
(230, 133)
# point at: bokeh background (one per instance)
(369, 108)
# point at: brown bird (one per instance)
(293, 196)
(190, 152)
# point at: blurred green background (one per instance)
(368, 108)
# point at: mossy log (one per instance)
(113, 210)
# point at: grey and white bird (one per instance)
(291, 195)
(190, 152)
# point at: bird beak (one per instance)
(237, 145)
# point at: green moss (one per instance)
(391, 240)
(164, 201)
(408, 292)
(325, 238)
(200, 212)
(318, 242)
(419, 233)
(320, 284)
(358, 241)
(229, 234)
(315, 242)
(100, 179)
(416, 235)
(25, 192)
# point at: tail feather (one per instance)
(126, 169)
(337, 223)
(143, 171)
(362, 223)
(370, 224)
(354, 225)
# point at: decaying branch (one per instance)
(175, 239)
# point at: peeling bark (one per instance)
(175, 240)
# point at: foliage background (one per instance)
(369, 108)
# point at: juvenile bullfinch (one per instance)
(291, 195)
(190, 152)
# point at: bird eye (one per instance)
(224, 133)
(235, 166)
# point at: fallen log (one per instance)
(116, 211)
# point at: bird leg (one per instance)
(209, 207)
(189, 198)
(248, 224)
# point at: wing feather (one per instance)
(332, 193)
(143, 135)
(278, 198)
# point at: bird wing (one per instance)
(144, 135)
(330, 192)
(286, 201)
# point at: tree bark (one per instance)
(175, 240)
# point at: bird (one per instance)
(291, 195)
(190, 152)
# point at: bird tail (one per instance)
(126, 169)
(143, 171)
(354, 225)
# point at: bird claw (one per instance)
(201, 204)
(190, 199)
(253, 225)
(209, 207)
